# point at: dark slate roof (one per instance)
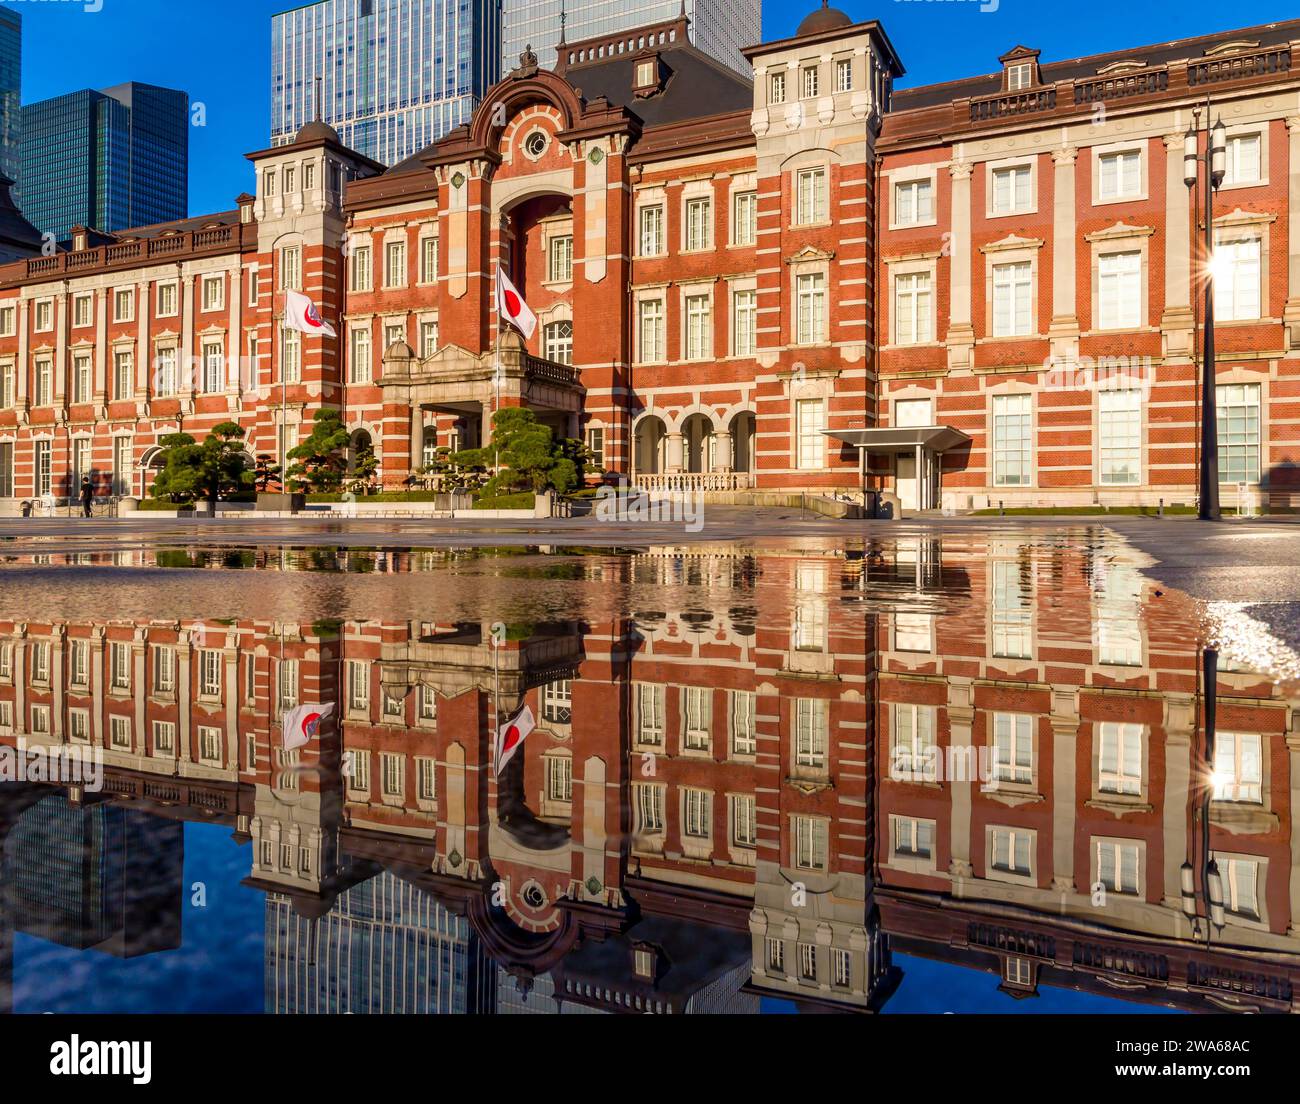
(931, 95)
(181, 226)
(18, 237)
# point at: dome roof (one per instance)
(823, 19)
(316, 131)
(399, 350)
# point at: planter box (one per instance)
(281, 503)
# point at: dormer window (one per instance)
(1019, 76)
(1021, 68)
(645, 73)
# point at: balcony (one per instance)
(211, 239)
(549, 371)
(691, 482)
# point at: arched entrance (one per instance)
(651, 435)
(743, 427)
(698, 443)
(362, 462)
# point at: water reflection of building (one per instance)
(720, 803)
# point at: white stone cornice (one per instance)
(1012, 241)
(1118, 231)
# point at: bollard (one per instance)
(1002, 511)
(1160, 511)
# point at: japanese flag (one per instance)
(511, 306)
(301, 723)
(511, 736)
(300, 314)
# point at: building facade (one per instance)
(720, 28)
(980, 292)
(394, 75)
(107, 159)
(11, 83)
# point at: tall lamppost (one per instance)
(1211, 879)
(1215, 162)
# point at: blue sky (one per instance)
(219, 52)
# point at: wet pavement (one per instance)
(817, 766)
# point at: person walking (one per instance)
(87, 495)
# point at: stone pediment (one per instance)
(810, 253)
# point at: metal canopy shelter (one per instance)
(925, 443)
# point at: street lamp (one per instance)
(1215, 160)
(1212, 882)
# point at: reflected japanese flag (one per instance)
(301, 723)
(511, 736)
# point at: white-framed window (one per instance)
(559, 259)
(913, 838)
(744, 322)
(164, 737)
(79, 663)
(119, 666)
(291, 267)
(395, 264)
(648, 801)
(44, 315)
(41, 662)
(1012, 851)
(1012, 440)
(697, 814)
(287, 677)
(810, 723)
(650, 714)
(913, 632)
(427, 698)
(1012, 619)
(40, 720)
(291, 355)
(913, 758)
(811, 197)
(8, 378)
(808, 961)
(362, 268)
(697, 723)
(358, 763)
(214, 364)
(699, 223)
(1013, 299)
(214, 293)
(810, 308)
(913, 312)
(775, 955)
(1239, 767)
(123, 306)
(776, 88)
(44, 466)
(557, 702)
(844, 75)
(429, 260)
(83, 307)
(596, 446)
(79, 726)
(164, 669)
(913, 202)
(1013, 748)
(165, 370)
(811, 850)
(650, 330)
(1119, 865)
(1119, 437)
(358, 685)
(1013, 190)
(9, 321)
(744, 218)
(809, 81)
(810, 442)
(1237, 279)
(1119, 290)
(1241, 887)
(359, 366)
(650, 220)
(428, 337)
(210, 673)
(1119, 758)
(744, 823)
(1239, 438)
(557, 341)
(699, 327)
(209, 744)
(744, 732)
(1119, 175)
(392, 774)
(123, 374)
(1020, 76)
(840, 968)
(252, 286)
(559, 778)
(1243, 160)
(44, 382)
(123, 465)
(425, 778)
(119, 732)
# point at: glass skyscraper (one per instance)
(109, 160)
(394, 75)
(718, 27)
(11, 79)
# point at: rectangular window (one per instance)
(79, 663)
(840, 966)
(164, 670)
(44, 319)
(81, 378)
(123, 375)
(699, 330)
(123, 306)
(41, 661)
(359, 369)
(209, 744)
(392, 769)
(214, 365)
(395, 264)
(428, 338)
(775, 955)
(913, 838)
(44, 382)
(557, 702)
(428, 260)
(810, 444)
(699, 227)
(1012, 192)
(7, 394)
(1117, 865)
(1241, 887)
(40, 720)
(744, 315)
(1119, 175)
(744, 735)
(291, 268)
(559, 259)
(557, 342)
(6, 469)
(9, 321)
(912, 311)
(844, 75)
(776, 88)
(650, 714)
(810, 846)
(210, 673)
(811, 203)
(1243, 160)
(214, 292)
(79, 726)
(596, 446)
(1119, 433)
(913, 632)
(651, 234)
(649, 805)
(362, 273)
(913, 202)
(744, 825)
(810, 78)
(82, 309)
(913, 758)
(650, 330)
(291, 355)
(744, 218)
(1238, 767)
(1019, 76)
(697, 723)
(123, 466)
(559, 778)
(1013, 851)
(1119, 291)
(1012, 444)
(1237, 280)
(428, 706)
(358, 685)
(424, 776)
(1013, 748)
(1013, 307)
(1119, 758)
(252, 285)
(1239, 443)
(164, 737)
(810, 308)
(165, 375)
(358, 763)
(44, 467)
(808, 961)
(119, 732)
(287, 671)
(810, 733)
(1012, 620)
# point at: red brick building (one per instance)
(979, 291)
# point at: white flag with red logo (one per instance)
(300, 314)
(301, 723)
(511, 736)
(511, 306)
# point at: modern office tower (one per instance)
(11, 73)
(720, 28)
(109, 159)
(391, 76)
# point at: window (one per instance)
(358, 685)
(645, 74)
(290, 355)
(164, 737)
(359, 778)
(1012, 190)
(79, 663)
(840, 968)
(165, 371)
(697, 818)
(1118, 865)
(428, 338)
(123, 374)
(1119, 279)
(7, 394)
(1241, 886)
(744, 315)
(290, 179)
(395, 264)
(699, 231)
(810, 850)
(291, 267)
(359, 369)
(123, 465)
(213, 366)
(428, 703)
(214, 292)
(164, 670)
(775, 955)
(1012, 621)
(252, 285)
(1013, 307)
(651, 234)
(119, 731)
(913, 758)
(1238, 418)
(82, 308)
(1119, 626)
(810, 608)
(744, 826)
(81, 378)
(209, 744)
(698, 721)
(809, 81)
(912, 313)
(1012, 851)
(698, 327)
(650, 714)
(392, 771)
(1238, 767)
(362, 273)
(1243, 160)
(650, 330)
(287, 672)
(1019, 76)
(559, 259)
(44, 467)
(1011, 440)
(744, 737)
(810, 308)
(810, 444)
(810, 197)
(44, 382)
(913, 202)
(1236, 280)
(123, 305)
(776, 88)
(559, 778)
(210, 673)
(1119, 758)
(44, 319)
(744, 218)
(844, 75)
(309, 176)
(6, 661)
(810, 733)
(649, 804)
(40, 720)
(913, 632)
(41, 661)
(428, 260)
(6, 714)
(557, 702)
(424, 779)
(1013, 748)
(808, 961)
(9, 321)
(557, 342)
(913, 838)
(1119, 175)
(596, 446)
(1119, 426)
(78, 725)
